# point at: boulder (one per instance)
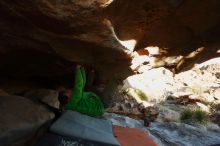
(47, 96)
(167, 115)
(3, 93)
(21, 119)
(200, 83)
(203, 107)
(155, 84)
(215, 118)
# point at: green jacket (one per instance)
(84, 102)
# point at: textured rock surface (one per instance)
(158, 84)
(183, 135)
(3, 93)
(217, 93)
(47, 38)
(90, 32)
(172, 133)
(170, 94)
(47, 96)
(155, 83)
(20, 119)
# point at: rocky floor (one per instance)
(172, 133)
(23, 119)
(42, 41)
(155, 98)
(160, 97)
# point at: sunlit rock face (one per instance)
(177, 26)
(171, 23)
(48, 37)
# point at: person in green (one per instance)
(84, 102)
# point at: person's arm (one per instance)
(83, 76)
(77, 89)
(78, 84)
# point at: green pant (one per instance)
(84, 102)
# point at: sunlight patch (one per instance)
(129, 44)
(107, 3)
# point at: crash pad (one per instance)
(74, 124)
(132, 136)
(52, 139)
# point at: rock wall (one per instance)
(48, 37)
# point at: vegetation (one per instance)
(194, 116)
(186, 115)
(198, 89)
(136, 93)
(200, 116)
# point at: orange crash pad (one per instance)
(132, 136)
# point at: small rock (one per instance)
(217, 94)
(128, 105)
(194, 97)
(212, 126)
(207, 97)
(167, 115)
(139, 60)
(117, 107)
(136, 111)
(151, 111)
(143, 68)
(124, 108)
(215, 118)
(217, 101)
(188, 99)
(150, 114)
(182, 93)
(203, 107)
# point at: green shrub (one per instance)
(186, 115)
(200, 116)
(136, 93)
(194, 116)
